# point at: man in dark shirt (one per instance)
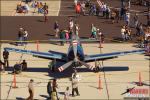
(6, 56)
(20, 36)
(49, 89)
(24, 65)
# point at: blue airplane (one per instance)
(75, 55)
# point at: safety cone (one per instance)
(14, 82)
(99, 83)
(37, 45)
(140, 80)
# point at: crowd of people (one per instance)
(53, 88)
(73, 29)
(86, 7)
(109, 13)
(17, 68)
(25, 6)
(141, 33)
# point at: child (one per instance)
(67, 93)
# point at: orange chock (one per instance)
(14, 82)
(140, 80)
(99, 82)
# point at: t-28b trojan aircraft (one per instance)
(74, 56)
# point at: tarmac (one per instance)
(113, 83)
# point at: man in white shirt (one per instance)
(31, 90)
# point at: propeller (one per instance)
(63, 67)
(75, 60)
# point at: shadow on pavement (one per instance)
(31, 69)
(45, 97)
(39, 20)
(68, 72)
(62, 93)
(137, 83)
(114, 68)
(20, 98)
(93, 86)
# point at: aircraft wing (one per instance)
(44, 55)
(105, 56)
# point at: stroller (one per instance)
(17, 69)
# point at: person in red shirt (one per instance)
(78, 8)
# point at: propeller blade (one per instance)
(63, 67)
(75, 49)
(86, 65)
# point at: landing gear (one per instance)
(52, 65)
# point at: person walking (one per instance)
(67, 94)
(5, 57)
(55, 88)
(45, 15)
(75, 86)
(45, 9)
(31, 90)
(20, 37)
(93, 31)
(49, 89)
(78, 9)
(56, 28)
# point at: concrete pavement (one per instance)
(116, 81)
